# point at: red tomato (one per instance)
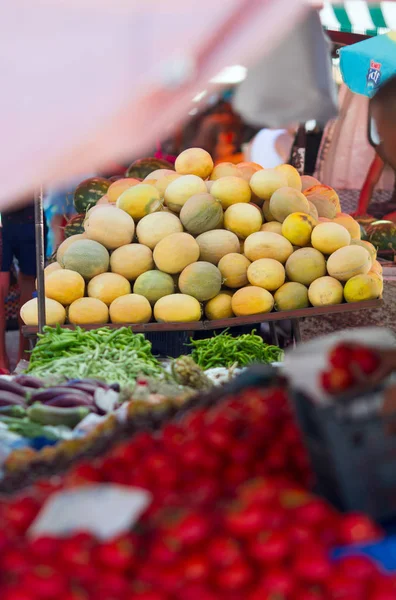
(244, 521)
(224, 551)
(195, 568)
(117, 555)
(362, 567)
(270, 548)
(236, 578)
(341, 586)
(358, 528)
(311, 564)
(366, 359)
(341, 355)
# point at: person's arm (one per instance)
(373, 175)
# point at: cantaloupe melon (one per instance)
(325, 291)
(174, 252)
(265, 244)
(64, 286)
(159, 174)
(220, 307)
(369, 247)
(376, 267)
(292, 175)
(162, 183)
(215, 244)
(233, 268)
(118, 187)
(323, 192)
(155, 227)
(177, 308)
(140, 200)
(348, 262)
(225, 169)
(108, 286)
(291, 296)
(153, 285)
(194, 161)
(269, 217)
(201, 280)
(201, 213)
(350, 224)
(111, 227)
(66, 244)
(231, 190)
(313, 211)
(363, 287)
(297, 228)
(265, 182)
(307, 182)
(88, 311)
(131, 308)
(266, 273)
(87, 257)
(54, 312)
(52, 267)
(180, 190)
(305, 265)
(131, 260)
(243, 219)
(287, 200)
(329, 237)
(273, 226)
(251, 300)
(248, 169)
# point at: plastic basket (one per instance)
(354, 459)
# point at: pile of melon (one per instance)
(205, 241)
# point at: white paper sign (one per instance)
(105, 510)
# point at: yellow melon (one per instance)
(177, 308)
(201, 213)
(269, 217)
(292, 175)
(248, 169)
(111, 227)
(350, 224)
(297, 228)
(159, 174)
(64, 286)
(66, 244)
(119, 187)
(88, 311)
(220, 307)
(225, 169)
(131, 308)
(52, 267)
(313, 211)
(325, 291)
(231, 190)
(153, 285)
(175, 252)
(162, 183)
(265, 244)
(201, 280)
(323, 192)
(266, 273)
(329, 237)
(265, 182)
(287, 200)
(291, 296)
(369, 247)
(108, 286)
(305, 265)
(243, 219)
(233, 268)
(181, 189)
(307, 182)
(140, 200)
(194, 161)
(251, 300)
(155, 227)
(131, 260)
(348, 262)
(376, 267)
(273, 226)
(54, 312)
(363, 287)
(215, 244)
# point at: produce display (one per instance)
(228, 519)
(172, 245)
(350, 366)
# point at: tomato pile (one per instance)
(229, 519)
(348, 366)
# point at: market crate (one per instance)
(354, 459)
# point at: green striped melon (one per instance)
(75, 225)
(382, 234)
(144, 166)
(87, 257)
(88, 192)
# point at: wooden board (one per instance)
(235, 321)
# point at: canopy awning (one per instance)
(359, 17)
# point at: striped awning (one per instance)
(359, 16)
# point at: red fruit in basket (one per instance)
(163, 550)
(311, 564)
(345, 587)
(186, 527)
(340, 356)
(336, 380)
(75, 553)
(260, 490)
(310, 594)
(224, 551)
(18, 593)
(358, 528)
(275, 584)
(237, 578)
(148, 594)
(118, 555)
(243, 520)
(269, 548)
(44, 547)
(300, 534)
(313, 513)
(382, 595)
(366, 359)
(15, 562)
(361, 567)
(46, 582)
(21, 512)
(195, 568)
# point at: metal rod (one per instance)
(296, 331)
(273, 333)
(40, 256)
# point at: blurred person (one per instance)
(219, 132)
(271, 147)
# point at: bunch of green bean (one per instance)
(224, 350)
(112, 355)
